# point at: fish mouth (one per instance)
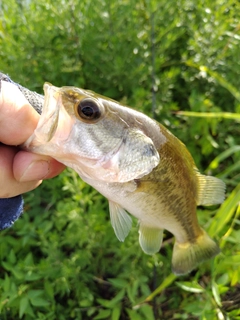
(49, 121)
(51, 109)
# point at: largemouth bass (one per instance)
(137, 164)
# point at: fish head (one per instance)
(94, 135)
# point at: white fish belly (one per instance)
(146, 208)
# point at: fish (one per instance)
(137, 164)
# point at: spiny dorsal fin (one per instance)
(120, 220)
(150, 239)
(211, 190)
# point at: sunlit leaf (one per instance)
(220, 115)
(216, 294)
(166, 282)
(233, 260)
(190, 286)
(223, 155)
(225, 213)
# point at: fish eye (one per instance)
(89, 109)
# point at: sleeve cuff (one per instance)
(10, 211)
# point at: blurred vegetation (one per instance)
(177, 61)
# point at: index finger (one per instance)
(18, 119)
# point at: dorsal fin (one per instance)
(150, 239)
(211, 190)
(120, 220)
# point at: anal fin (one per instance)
(150, 239)
(120, 220)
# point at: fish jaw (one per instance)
(54, 126)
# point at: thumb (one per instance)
(29, 166)
(18, 119)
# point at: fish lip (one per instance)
(48, 121)
(52, 94)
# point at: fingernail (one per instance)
(37, 170)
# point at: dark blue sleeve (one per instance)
(10, 211)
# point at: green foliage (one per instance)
(177, 61)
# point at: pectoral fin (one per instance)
(150, 239)
(211, 190)
(120, 220)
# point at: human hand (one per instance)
(20, 171)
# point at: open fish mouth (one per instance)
(51, 107)
(54, 124)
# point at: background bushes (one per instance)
(177, 61)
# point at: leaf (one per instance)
(111, 303)
(116, 313)
(190, 286)
(216, 294)
(28, 261)
(119, 283)
(35, 293)
(234, 167)
(7, 265)
(225, 213)
(222, 156)
(207, 115)
(147, 311)
(20, 275)
(234, 91)
(132, 290)
(48, 288)
(235, 277)
(32, 276)
(133, 315)
(6, 283)
(12, 257)
(233, 260)
(36, 299)
(23, 305)
(217, 76)
(103, 314)
(169, 280)
(103, 302)
(39, 302)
